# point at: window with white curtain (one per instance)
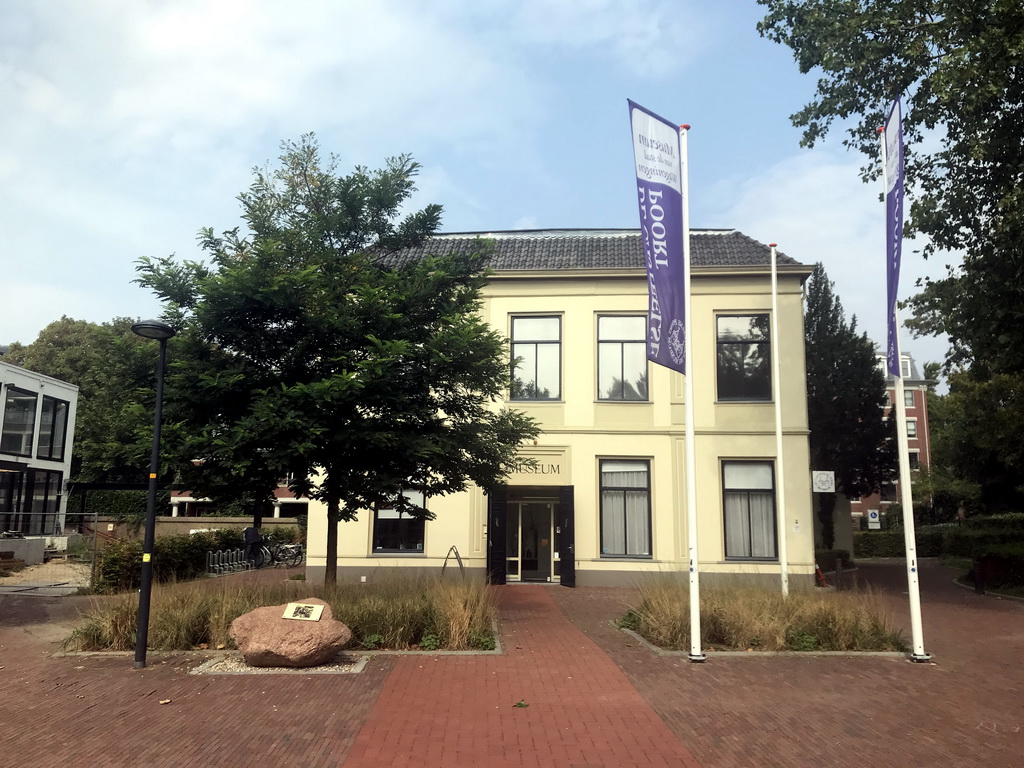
(749, 493)
(625, 508)
(399, 531)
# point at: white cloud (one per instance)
(817, 209)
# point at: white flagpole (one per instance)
(696, 655)
(906, 494)
(777, 393)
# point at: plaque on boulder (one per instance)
(268, 637)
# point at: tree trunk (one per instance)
(257, 515)
(826, 516)
(331, 564)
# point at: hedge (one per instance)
(175, 558)
(891, 544)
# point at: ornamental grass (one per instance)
(393, 613)
(744, 618)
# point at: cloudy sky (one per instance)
(130, 124)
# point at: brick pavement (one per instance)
(966, 709)
(581, 712)
(625, 706)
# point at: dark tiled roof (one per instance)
(596, 249)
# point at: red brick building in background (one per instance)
(915, 391)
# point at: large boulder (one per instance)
(266, 639)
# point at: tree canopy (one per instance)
(958, 67)
(328, 355)
(845, 400)
(113, 369)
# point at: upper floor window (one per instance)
(911, 428)
(908, 398)
(397, 531)
(53, 425)
(744, 357)
(887, 402)
(536, 358)
(19, 422)
(905, 367)
(621, 358)
(749, 494)
(915, 459)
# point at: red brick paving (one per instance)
(460, 711)
(596, 698)
(966, 709)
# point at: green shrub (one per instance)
(1009, 522)
(175, 558)
(891, 543)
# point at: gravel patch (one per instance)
(233, 664)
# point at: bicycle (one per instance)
(276, 553)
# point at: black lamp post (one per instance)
(150, 329)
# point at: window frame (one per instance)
(7, 391)
(513, 342)
(912, 429)
(602, 488)
(51, 454)
(748, 491)
(621, 344)
(719, 343)
(914, 459)
(908, 398)
(408, 519)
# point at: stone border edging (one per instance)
(988, 593)
(762, 654)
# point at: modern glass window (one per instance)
(537, 358)
(911, 428)
(19, 422)
(908, 398)
(621, 358)
(53, 425)
(625, 509)
(749, 493)
(744, 357)
(395, 531)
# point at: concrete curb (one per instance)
(763, 654)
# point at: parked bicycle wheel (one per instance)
(292, 555)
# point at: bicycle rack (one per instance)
(453, 550)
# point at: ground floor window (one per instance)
(396, 531)
(30, 502)
(625, 508)
(749, 493)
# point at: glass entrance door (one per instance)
(532, 547)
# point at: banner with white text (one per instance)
(893, 229)
(659, 186)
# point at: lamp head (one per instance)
(153, 329)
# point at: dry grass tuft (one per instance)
(739, 618)
(393, 613)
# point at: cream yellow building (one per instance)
(603, 499)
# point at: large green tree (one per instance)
(845, 398)
(329, 356)
(113, 369)
(958, 66)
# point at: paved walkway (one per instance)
(595, 698)
(580, 710)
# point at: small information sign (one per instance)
(874, 522)
(823, 481)
(303, 611)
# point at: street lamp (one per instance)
(150, 329)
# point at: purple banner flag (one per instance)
(893, 229)
(659, 187)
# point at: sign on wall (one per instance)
(823, 481)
